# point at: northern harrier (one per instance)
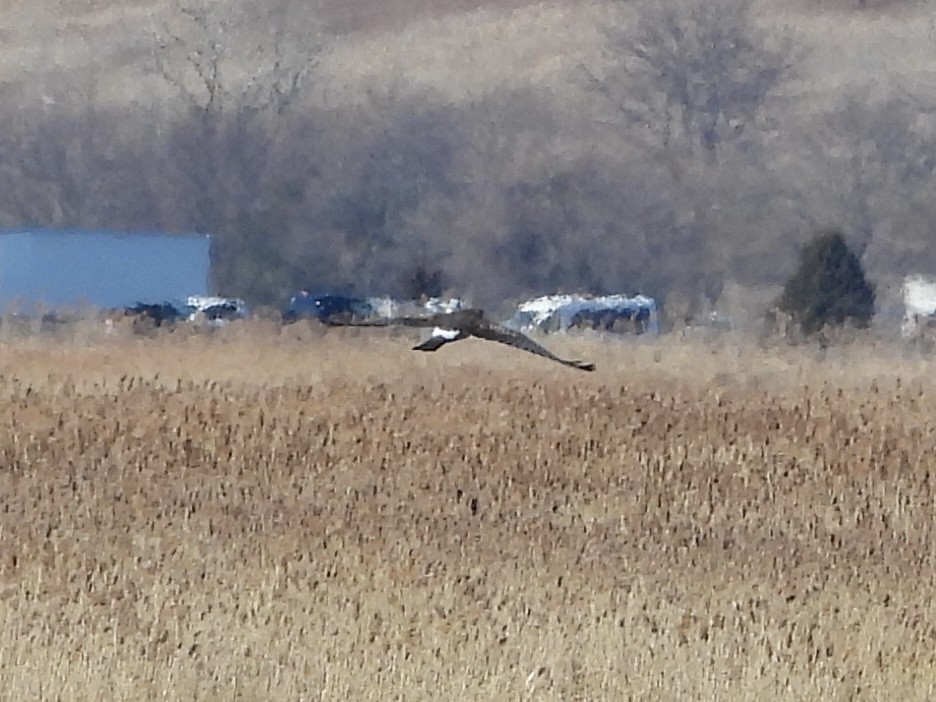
(454, 326)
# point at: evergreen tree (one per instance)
(829, 288)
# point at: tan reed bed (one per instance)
(268, 515)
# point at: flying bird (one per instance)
(454, 326)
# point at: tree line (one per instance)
(686, 163)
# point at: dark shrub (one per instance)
(829, 288)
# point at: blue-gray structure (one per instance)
(75, 269)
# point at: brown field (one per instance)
(267, 515)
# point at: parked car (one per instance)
(304, 305)
(215, 311)
(161, 314)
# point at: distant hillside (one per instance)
(457, 46)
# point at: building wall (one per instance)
(56, 268)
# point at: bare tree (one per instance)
(399, 159)
(693, 74)
(67, 161)
(869, 168)
(691, 84)
(229, 57)
(236, 72)
(236, 69)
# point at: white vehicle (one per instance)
(919, 298)
(607, 312)
(387, 307)
(215, 311)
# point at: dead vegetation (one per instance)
(252, 517)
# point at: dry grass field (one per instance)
(266, 515)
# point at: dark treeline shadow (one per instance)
(496, 198)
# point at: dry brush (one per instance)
(262, 517)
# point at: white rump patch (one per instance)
(447, 334)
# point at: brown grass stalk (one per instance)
(298, 515)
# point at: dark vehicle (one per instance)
(333, 308)
(160, 314)
(225, 311)
(618, 319)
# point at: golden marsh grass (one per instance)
(292, 516)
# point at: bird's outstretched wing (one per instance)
(503, 335)
(387, 322)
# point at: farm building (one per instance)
(72, 269)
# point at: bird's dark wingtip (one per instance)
(583, 365)
(425, 347)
